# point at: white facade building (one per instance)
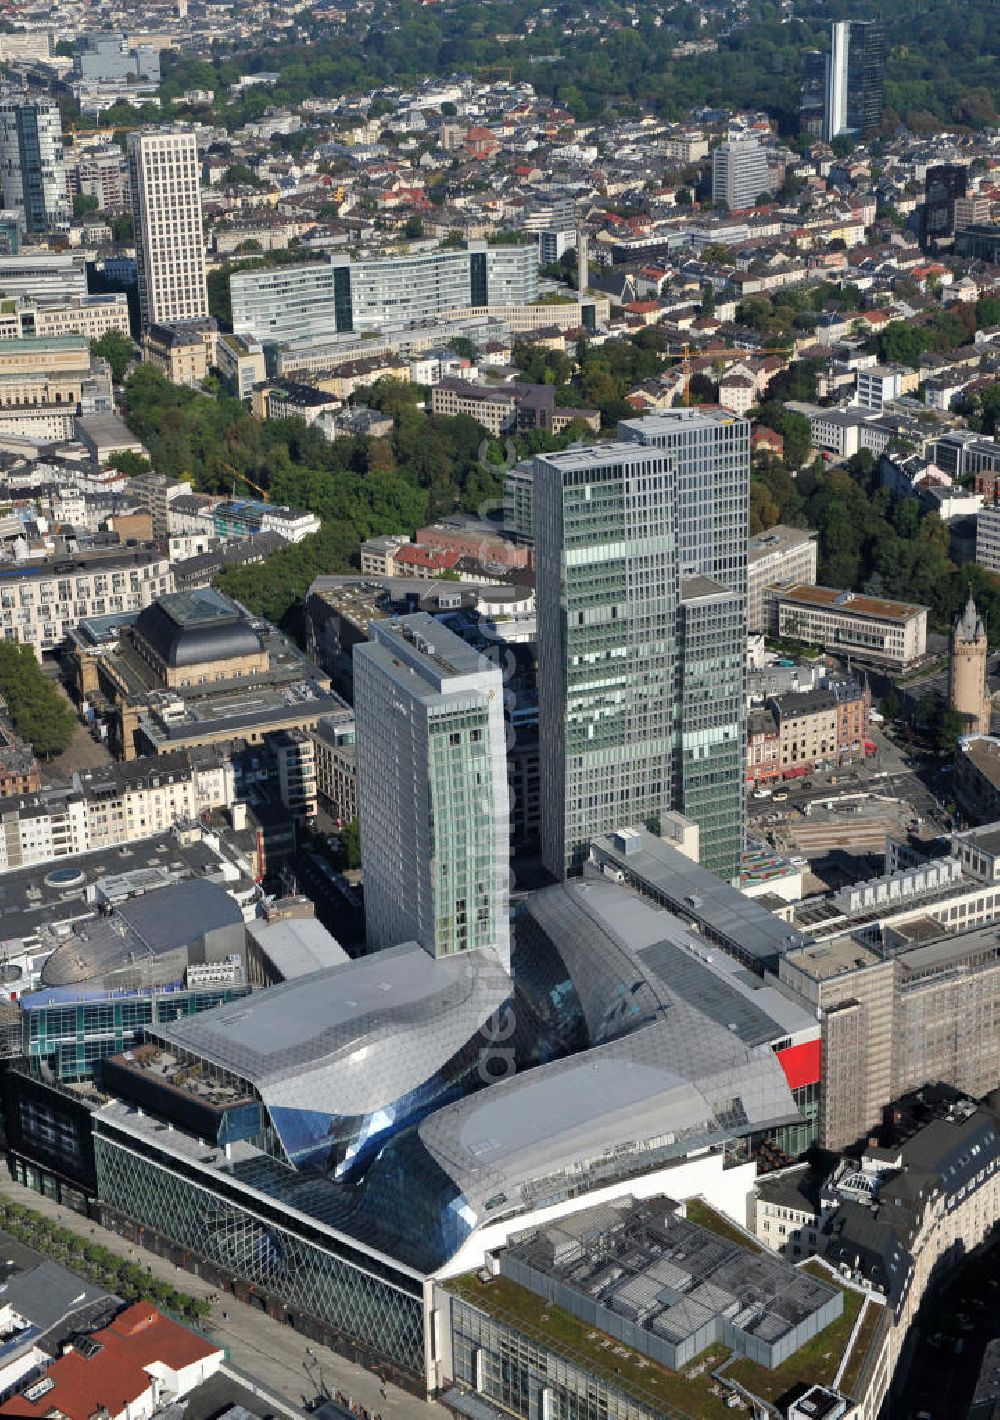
(166, 211)
(988, 539)
(739, 174)
(41, 601)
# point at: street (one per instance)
(275, 1356)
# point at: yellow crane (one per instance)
(242, 478)
(685, 359)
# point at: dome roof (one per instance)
(190, 628)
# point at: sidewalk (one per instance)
(275, 1356)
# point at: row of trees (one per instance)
(40, 713)
(96, 1263)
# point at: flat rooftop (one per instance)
(825, 960)
(986, 838)
(724, 914)
(430, 649)
(849, 603)
(984, 752)
(949, 952)
(675, 421)
(777, 540)
(35, 901)
(645, 1264)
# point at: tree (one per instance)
(40, 713)
(129, 463)
(350, 839)
(708, 299)
(118, 350)
(414, 226)
(83, 203)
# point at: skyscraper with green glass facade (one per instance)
(641, 558)
(432, 790)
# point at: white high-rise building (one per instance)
(836, 80)
(32, 165)
(432, 790)
(166, 211)
(739, 173)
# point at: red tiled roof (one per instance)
(414, 555)
(116, 1375)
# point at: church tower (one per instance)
(967, 672)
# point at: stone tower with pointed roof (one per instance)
(967, 672)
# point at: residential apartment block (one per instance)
(165, 182)
(120, 804)
(40, 602)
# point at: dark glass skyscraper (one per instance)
(944, 184)
(32, 167)
(855, 79)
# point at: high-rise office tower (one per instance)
(432, 790)
(944, 185)
(739, 173)
(32, 166)
(813, 96)
(166, 211)
(710, 451)
(855, 79)
(641, 555)
(607, 595)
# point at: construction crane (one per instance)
(685, 358)
(242, 478)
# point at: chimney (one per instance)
(582, 263)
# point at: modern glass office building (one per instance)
(340, 293)
(71, 1030)
(711, 733)
(32, 165)
(607, 591)
(710, 453)
(641, 586)
(855, 79)
(432, 789)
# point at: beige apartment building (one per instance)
(165, 183)
(781, 554)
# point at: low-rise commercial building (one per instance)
(640, 1272)
(887, 633)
